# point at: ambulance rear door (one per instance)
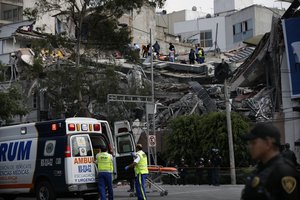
(124, 146)
(108, 133)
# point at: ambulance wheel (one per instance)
(8, 197)
(44, 191)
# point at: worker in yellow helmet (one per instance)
(140, 165)
(105, 168)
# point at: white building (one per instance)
(10, 11)
(225, 6)
(167, 21)
(229, 28)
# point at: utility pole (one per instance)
(153, 100)
(230, 138)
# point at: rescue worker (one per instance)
(274, 178)
(156, 47)
(140, 165)
(105, 170)
(201, 55)
(192, 57)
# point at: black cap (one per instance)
(263, 130)
(103, 148)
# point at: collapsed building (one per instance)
(260, 78)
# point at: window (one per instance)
(34, 101)
(206, 39)
(81, 146)
(15, 13)
(237, 28)
(124, 144)
(242, 30)
(7, 14)
(242, 27)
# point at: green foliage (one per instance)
(11, 104)
(2, 72)
(194, 136)
(72, 85)
(101, 33)
(94, 82)
(30, 13)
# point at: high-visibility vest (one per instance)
(200, 53)
(142, 166)
(105, 163)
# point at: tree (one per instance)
(96, 28)
(11, 104)
(194, 136)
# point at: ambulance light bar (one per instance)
(84, 127)
(97, 127)
(71, 127)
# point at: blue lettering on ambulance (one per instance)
(11, 154)
(9, 151)
(84, 168)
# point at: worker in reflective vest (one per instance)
(201, 55)
(140, 165)
(105, 170)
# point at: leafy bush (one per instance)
(193, 136)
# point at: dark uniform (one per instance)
(199, 171)
(289, 154)
(182, 169)
(216, 163)
(275, 180)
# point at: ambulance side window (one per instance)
(81, 146)
(124, 144)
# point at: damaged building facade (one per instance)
(229, 27)
(267, 82)
(261, 80)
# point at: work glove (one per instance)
(126, 168)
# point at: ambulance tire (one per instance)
(44, 191)
(8, 197)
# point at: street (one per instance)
(203, 192)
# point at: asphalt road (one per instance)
(188, 192)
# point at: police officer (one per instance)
(199, 170)
(216, 161)
(182, 168)
(140, 165)
(289, 154)
(105, 170)
(274, 177)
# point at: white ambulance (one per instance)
(56, 158)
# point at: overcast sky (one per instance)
(207, 5)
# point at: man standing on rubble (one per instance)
(140, 165)
(156, 48)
